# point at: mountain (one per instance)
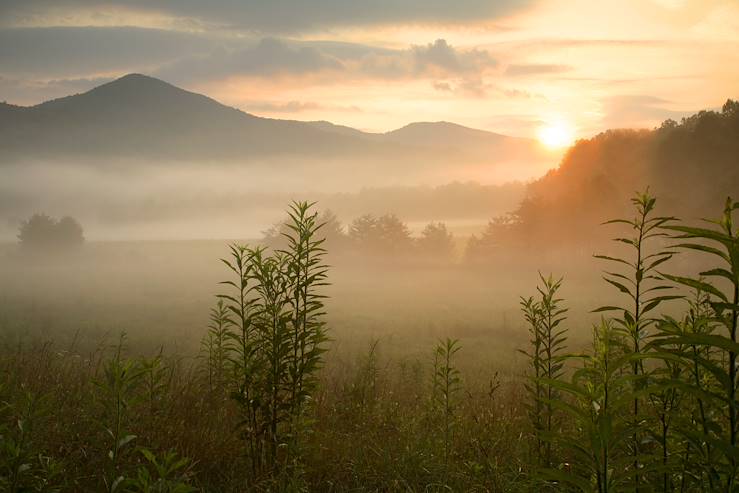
(451, 137)
(139, 117)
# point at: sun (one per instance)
(556, 134)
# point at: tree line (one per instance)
(385, 236)
(45, 233)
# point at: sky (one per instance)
(553, 69)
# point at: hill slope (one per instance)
(139, 117)
(691, 167)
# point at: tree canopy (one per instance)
(42, 232)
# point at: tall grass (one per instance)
(446, 385)
(650, 405)
(278, 339)
(546, 361)
(643, 288)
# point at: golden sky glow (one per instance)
(556, 134)
(554, 70)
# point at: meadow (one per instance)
(153, 366)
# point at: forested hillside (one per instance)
(691, 166)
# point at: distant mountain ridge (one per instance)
(141, 117)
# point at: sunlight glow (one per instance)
(556, 135)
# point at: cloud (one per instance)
(49, 62)
(516, 70)
(273, 57)
(478, 88)
(637, 110)
(28, 92)
(437, 60)
(296, 107)
(275, 16)
(269, 57)
(69, 52)
(442, 86)
(439, 55)
(289, 107)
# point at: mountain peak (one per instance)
(443, 133)
(140, 80)
(135, 92)
(132, 83)
(137, 76)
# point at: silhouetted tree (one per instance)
(499, 232)
(395, 237)
(384, 235)
(363, 232)
(436, 242)
(42, 232)
(69, 232)
(332, 230)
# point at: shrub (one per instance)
(41, 232)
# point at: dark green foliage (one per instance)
(277, 338)
(637, 278)
(167, 473)
(214, 346)
(600, 396)
(446, 385)
(154, 376)
(685, 415)
(117, 393)
(533, 315)
(546, 361)
(306, 275)
(677, 380)
(651, 406)
(23, 467)
(715, 350)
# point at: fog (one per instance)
(160, 293)
(167, 201)
(154, 232)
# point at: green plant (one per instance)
(23, 467)
(166, 473)
(365, 385)
(243, 356)
(446, 385)
(306, 273)
(554, 339)
(154, 378)
(643, 287)
(274, 334)
(721, 286)
(600, 393)
(546, 360)
(666, 401)
(687, 408)
(117, 392)
(214, 346)
(277, 333)
(533, 314)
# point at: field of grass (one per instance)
(424, 377)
